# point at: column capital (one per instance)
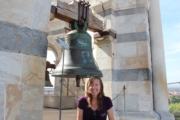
(118, 4)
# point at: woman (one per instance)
(95, 105)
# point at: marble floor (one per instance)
(53, 114)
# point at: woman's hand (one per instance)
(79, 114)
(110, 114)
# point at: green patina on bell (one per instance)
(79, 60)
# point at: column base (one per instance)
(161, 115)
(120, 115)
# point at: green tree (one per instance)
(174, 108)
(175, 99)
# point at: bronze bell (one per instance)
(78, 61)
(47, 80)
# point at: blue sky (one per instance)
(170, 17)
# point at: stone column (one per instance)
(23, 47)
(126, 60)
(158, 62)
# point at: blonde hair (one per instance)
(100, 95)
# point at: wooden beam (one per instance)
(108, 32)
(69, 13)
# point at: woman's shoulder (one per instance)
(82, 102)
(108, 102)
(107, 98)
(82, 98)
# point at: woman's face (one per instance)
(95, 88)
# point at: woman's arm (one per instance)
(110, 114)
(79, 114)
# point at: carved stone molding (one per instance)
(98, 5)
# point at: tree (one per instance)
(174, 108)
(175, 99)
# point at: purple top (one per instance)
(89, 114)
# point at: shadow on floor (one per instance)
(53, 114)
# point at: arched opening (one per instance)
(51, 57)
(50, 64)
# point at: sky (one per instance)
(170, 17)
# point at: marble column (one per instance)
(126, 60)
(23, 47)
(158, 63)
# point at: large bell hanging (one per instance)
(78, 61)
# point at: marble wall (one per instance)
(33, 14)
(23, 48)
(128, 57)
(22, 86)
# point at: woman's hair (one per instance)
(100, 95)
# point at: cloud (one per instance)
(174, 49)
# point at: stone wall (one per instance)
(23, 47)
(130, 59)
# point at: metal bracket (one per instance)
(83, 12)
(105, 33)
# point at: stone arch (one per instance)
(54, 45)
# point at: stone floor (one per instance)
(53, 114)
